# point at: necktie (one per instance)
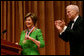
(70, 24)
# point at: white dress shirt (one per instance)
(71, 25)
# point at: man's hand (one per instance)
(59, 25)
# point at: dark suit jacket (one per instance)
(75, 37)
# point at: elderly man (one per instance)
(73, 32)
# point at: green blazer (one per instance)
(30, 48)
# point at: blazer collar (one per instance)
(77, 22)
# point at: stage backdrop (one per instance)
(12, 19)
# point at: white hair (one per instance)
(73, 7)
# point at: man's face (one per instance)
(70, 13)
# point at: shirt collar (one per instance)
(76, 18)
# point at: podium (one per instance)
(8, 48)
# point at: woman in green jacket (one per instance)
(31, 38)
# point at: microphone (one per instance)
(4, 31)
(3, 34)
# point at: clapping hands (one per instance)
(59, 25)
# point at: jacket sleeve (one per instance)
(40, 38)
(21, 38)
(73, 34)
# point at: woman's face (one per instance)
(29, 22)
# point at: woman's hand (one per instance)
(27, 37)
(32, 39)
(16, 43)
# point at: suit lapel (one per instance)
(76, 23)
